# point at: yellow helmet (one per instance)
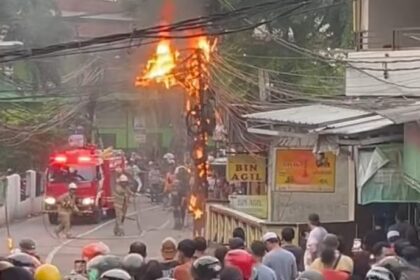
(47, 272)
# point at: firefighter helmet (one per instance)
(72, 186)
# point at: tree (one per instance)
(320, 26)
(36, 23)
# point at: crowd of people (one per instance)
(384, 255)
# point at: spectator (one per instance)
(200, 247)
(240, 233)
(168, 252)
(330, 264)
(381, 250)
(281, 261)
(404, 228)
(310, 275)
(315, 237)
(260, 271)
(236, 243)
(374, 236)
(411, 255)
(28, 246)
(152, 271)
(18, 273)
(133, 264)
(393, 236)
(341, 262)
(231, 273)
(186, 250)
(287, 235)
(138, 247)
(220, 253)
(242, 260)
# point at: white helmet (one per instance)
(123, 178)
(72, 186)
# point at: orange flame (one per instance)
(194, 208)
(160, 67)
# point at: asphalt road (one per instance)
(155, 225)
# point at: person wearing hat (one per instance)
(28, 246)
(66, 205)
(278, 259)
(121, 195)
(168, 252)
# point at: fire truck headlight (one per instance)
(88, 201)
(49, 200)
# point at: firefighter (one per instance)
(121, 197)
(66, 205)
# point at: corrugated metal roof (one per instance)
(402, 114)
(315, 115)
(355, 128)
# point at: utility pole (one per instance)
(263, 84)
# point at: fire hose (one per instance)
(136, 219)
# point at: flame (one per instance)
(194, 208)
(160, 67)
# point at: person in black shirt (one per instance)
(168, 252)
(179, 199)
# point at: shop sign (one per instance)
(246, 168)
(304, 171)
(254, 205)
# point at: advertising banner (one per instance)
(246, 168)
(255, 205)
(304, 171)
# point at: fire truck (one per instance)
(94, 173)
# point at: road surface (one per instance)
(156, 224)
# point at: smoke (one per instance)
(152, 12)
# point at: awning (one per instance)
(328, 120)
(380, 176)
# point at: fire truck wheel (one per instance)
(97, 216)
(53, 218)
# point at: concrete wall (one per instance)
(365, 78)
(384, 16)
(338, 206)
(16, 208)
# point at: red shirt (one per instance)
(330, 274)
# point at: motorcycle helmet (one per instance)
(206, 268)
(114, 274)
(94, 249)
(99, 264)
(241, 259)
(47, 272)
(132, 263)
(23, 260)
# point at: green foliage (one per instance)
(36, 23)
(323, 25)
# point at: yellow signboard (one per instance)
(255, 205)
(246, 168)
(304, 171)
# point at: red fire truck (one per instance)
(93, 171)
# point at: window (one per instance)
(67, 174)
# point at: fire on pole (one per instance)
(167, 68)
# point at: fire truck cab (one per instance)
(94, 175)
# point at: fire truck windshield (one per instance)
(67, 174)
